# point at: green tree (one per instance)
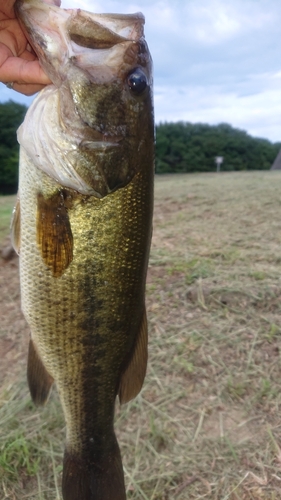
(11, 116)
(187, 147)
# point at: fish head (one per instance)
(102, 69)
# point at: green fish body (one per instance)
(82, 227)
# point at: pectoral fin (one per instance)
(54, 235)
(39, 380)
(15, 228)
(133, 377)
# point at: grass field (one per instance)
(208, 421)
(6, 207)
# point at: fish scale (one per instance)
(98, 291)
(82, 227)
(100, 294)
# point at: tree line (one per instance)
(11, 116)
(192, 147)
(180, 147)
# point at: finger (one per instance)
(12, 36)
(27, 89)
(8, 8)
(22, 71)
(28, 55)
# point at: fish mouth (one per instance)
(90, 123)
(89, 41)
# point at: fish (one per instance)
(82, 227)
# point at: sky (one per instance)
(214, 60)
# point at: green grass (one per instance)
(207, 423)
(7, 204)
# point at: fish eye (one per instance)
(137, 81)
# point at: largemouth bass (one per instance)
(82, 227)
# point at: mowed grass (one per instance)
(7, 204)
(207, 423)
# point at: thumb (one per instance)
(16, 69)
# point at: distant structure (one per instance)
(219, 161)
(276, 165)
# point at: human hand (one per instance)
(18, 63)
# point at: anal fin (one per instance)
(132, 378)
(39, 380)
(15, 227)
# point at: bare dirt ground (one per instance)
(208, 421)
(13, 343)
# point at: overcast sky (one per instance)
(214, 60)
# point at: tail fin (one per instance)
(102, 480)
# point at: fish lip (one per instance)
(106, 140)
(54, 3)
(101, 140)
(101, 144)
(110, 139)
(132, 30)
(87, 141)
(26, 4)
(52, 32)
